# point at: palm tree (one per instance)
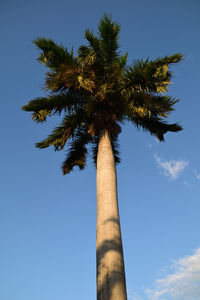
(95, 92)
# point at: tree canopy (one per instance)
(96, 90)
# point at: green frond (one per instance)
(53, 55)
(86, 82)
(169, 59)
(155, 126)
(55, 103)
(162, 105)
(145, 76)
(89, 55)
(156, 105)
(77, 153)
(70, 78)
(109, 35)
(93, 40)
(136, 76)
(83, 53)
(57, 138)
(122, 60)
(151, 75)
(62, 133)
(41, 116)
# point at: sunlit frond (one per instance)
(149, 75)
(46, 106)
(62, 133)
(86, 55)
(53, 55)
(151, 104)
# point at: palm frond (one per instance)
(155, 126)
(93, 41)
(62, 133)
(62, 80)
(151, 104)
(92, 54)
(109, 34)
(83, 53)
(77, 153)
(169, 59)
(53, 55)
(55, 103)
(122, 60)
(143, 76)
(74, 78)
(153, 76)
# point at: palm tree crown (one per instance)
(96, 91)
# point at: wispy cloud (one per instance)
(185, 182)
(197, 175)
(182, 284)
(150, 146)
(133, 296)
(172, 168)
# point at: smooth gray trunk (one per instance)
(111, 283)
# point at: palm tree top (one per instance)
(96, 90)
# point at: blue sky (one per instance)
(47, 220)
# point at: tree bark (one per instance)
(111, 284)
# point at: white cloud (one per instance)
(172, 168)
(133, 296)
(196, 174)
(182, 284)
(185, 182)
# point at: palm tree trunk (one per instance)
(111, 283)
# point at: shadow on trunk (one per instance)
(108, 280)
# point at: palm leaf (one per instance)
(122, 60)
(84, 53)
(77, 153)
(93, 41)
(109, 34)
(151, 104)
(62, 133)
(155, 126)
(53, 55)
(148, 75)
(55, 103)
